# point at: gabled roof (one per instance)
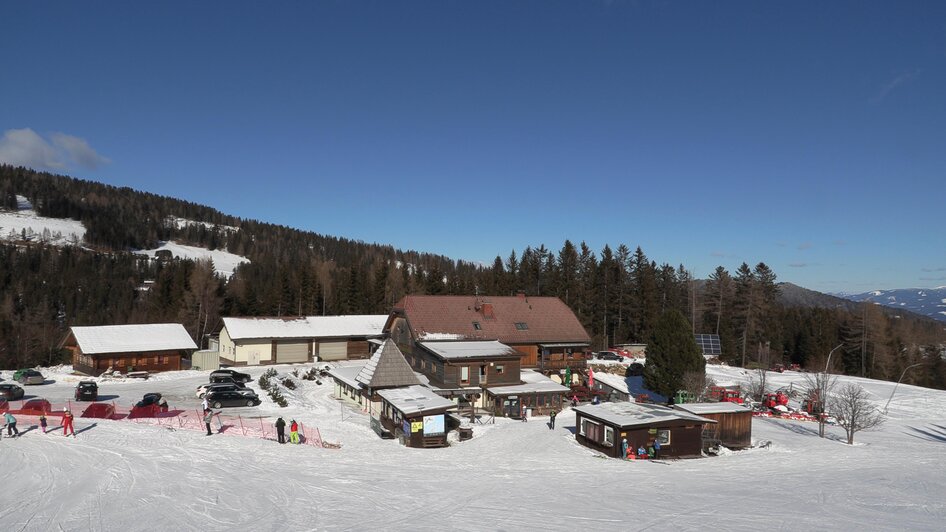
(509, 319)
(305, 327)
(132, 338)
(470, 349)
(387, 368)
(626, 415)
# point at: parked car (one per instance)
(235, 375)
(29, 376)
(10, 392)
(204, 389)
(608, 355)
(149, 399)
(87, 391)
(225, 379)
(234, 398)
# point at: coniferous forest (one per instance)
(618, 293)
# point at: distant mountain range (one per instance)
(930, 302)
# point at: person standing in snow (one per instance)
(208, 417)
(11, 424)
(552, 420)
(204, 404)
(293, 432)
(624, 447)
(280, 430)
(67, 423)
(524, 413)
(42, 422)
(656, 449)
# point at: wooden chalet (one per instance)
(386, 370)
(535, 394)
(153, 347)
(263, 341)
(603, 427)
(417, 415)
(543, 329)
(733, 427)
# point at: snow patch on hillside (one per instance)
(224, 263)
(181, 223)
(25, 222)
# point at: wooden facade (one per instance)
(150, 361)
(505, 404)
(479, 372)
(680, 437)
(423, 427)
(733, 428)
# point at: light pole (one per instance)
(898, 384)
(828, 362)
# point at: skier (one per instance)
(523, 414)
(552, 420)
(11, 424)
(208, 417)
(293, 432)
(656, 449)
(67, 423)
(42, 422)
(204, 404)
(281, 430)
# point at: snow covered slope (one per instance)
(224, 263)
(54, 231)
(511, 476)
(925, 301)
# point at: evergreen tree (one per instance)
(672, 352)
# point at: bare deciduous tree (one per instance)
(758, 384)
(854, 410)
(819, 387)
(696, 383)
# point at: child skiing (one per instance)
(11, 424)
(67, 423)
(42, 422)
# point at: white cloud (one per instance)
(25, 147)
(79, 151)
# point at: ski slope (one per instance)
(118, 475)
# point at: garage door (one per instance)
(288, 351)
(333, 350)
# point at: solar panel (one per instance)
(709, 343)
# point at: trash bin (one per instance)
(465, 433)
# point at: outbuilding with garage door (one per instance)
(262, 341)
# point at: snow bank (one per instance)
(224, 263)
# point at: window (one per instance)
(499, 369)
(663, 436)
(476, 326)
(522, 326)
(464, 374)
(482, 373)
(591, 430)
(609, 436)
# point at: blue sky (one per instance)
(808, 135)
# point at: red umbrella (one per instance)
(591, 378)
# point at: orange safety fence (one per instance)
(250, 427)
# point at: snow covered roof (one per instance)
(132, 338)
(614, 381)
(387, 368)
(532, 382)
(724, 407)
(415, 399)
(470, 349)
(305, 327)
(636, 414)
(347, 374)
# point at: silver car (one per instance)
(30, 376)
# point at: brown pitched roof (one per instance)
(540, 319)
(387, 368)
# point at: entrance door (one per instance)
(253, 358)
(511, 407)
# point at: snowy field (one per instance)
(55, 231)
(224, 263)
(118, 475)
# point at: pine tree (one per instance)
(672, 352)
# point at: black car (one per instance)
(608, 355)
(233, 374)
(232, 398)
(149, 399)
(10, 392)
(87, 391)
(204, 389)
(225, 379)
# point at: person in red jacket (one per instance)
(67, 423)
(293, 432)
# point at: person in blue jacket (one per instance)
(11, 424)
(656, 449)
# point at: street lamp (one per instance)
(828, 362)
(898, 384)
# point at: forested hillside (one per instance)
(617, 293)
